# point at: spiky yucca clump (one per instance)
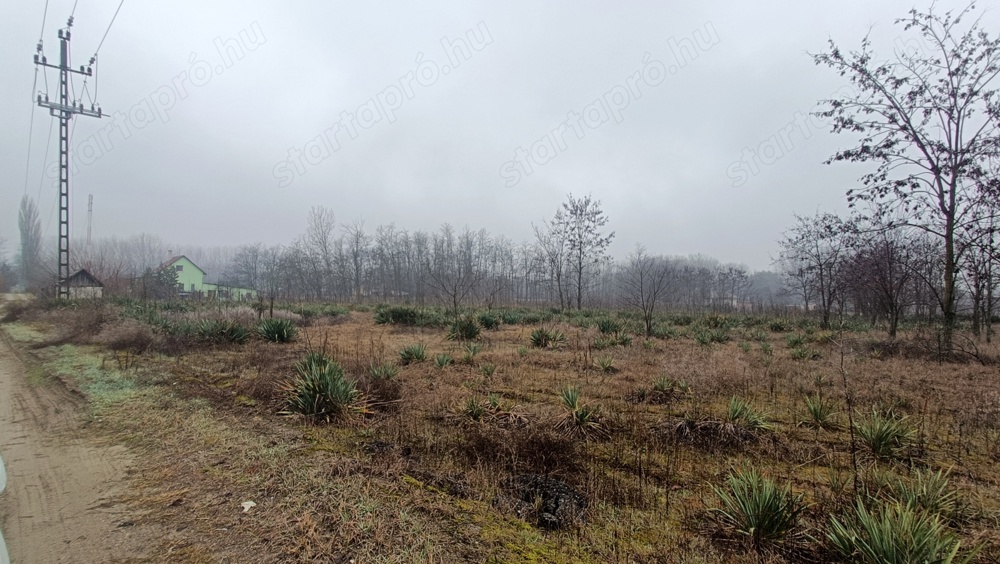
(321, 390)
(487, 369)
(277, 330)
(474, 409)
(384, 371)
(930, 491)
(821, 412)
(442, 360)
(605, 364)
(580, 420)
(547, 338)
(608, 326)
(413, 353)
(894, 533)
(222, 331)
(666, 389)
(463, 329)
(884, 435)
(489, 321)
(742, 412)
(755, 507)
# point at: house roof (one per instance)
(172, 260)
(83, 278)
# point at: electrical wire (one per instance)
(109, 28)
(31, 128)
(73, 11)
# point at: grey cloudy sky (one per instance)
(478, 114)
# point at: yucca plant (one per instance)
(884, 436)
(442, 360)
(321, 390)
(222, 331)
(487, 369)
(277, 330)
(608, 326)
(820, 412)
(605, 364)
(930, 491)
(385, 371)
(742, 412)
(412, 353)
(894, 533)
(474, 409)
(463, 329)
(545, 338)
(579, 419)
(755, 507)
(489, 321)
(471, 350)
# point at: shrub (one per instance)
(489, 321)
(929, 491)
(471, 350)
(385, 370)
(606, 364)
(796, 340)
(820, 412)
(442, 360)
(579, 420)
(755, 507)
(277, 330)
(666, 389)
(222, 331)
(463, 329)
(884, 435)
(894, 533)
(396, 315)
(608, 326)
(321, 390)
(778, 326)
(510, 317)
(413, 353)
(488, 369)
(803, 353)
(545, 338)
(474, 409)
(743, 412)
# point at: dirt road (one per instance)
(60, 502)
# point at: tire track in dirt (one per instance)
(60, 501)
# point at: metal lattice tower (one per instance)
(65, 109)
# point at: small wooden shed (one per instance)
(83, 284)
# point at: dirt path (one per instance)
(60, 499)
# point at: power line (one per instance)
(109, 28)
(31, 128)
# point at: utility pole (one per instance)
(65, 109)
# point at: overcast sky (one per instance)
(226, 121)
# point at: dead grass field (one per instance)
(421, 478)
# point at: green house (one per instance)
(191, 282)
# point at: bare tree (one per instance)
(812, 254)
(33, 272)
(929, 123)
(582, 221)
(643, 283)
(551, 241)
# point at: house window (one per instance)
(179, 267)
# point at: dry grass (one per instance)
(415, 482)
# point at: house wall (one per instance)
(85, 292)
(190, 277)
